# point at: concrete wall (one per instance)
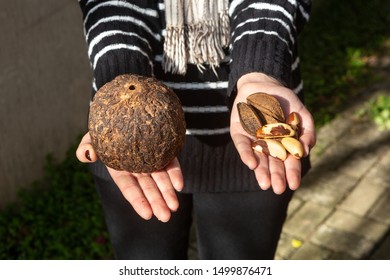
(45, 85)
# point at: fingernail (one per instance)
(87, 155)
(264, 185)
(307, 150)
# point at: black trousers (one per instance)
(238, 225)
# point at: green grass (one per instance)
(377, 109)
(59, 217)
(333, 48)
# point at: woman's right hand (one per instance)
(148, 193)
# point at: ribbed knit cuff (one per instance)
(271, 57)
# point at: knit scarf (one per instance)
(196, 33)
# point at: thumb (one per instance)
(85, 151)
(308, 140)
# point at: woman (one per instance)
(213, 54)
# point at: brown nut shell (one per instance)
(268, 105)
(250, 119)
(136, 124)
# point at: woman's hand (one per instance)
(270, 171)
(149, 193)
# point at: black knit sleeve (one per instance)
(264, 38)
(121, 37)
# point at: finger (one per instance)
(166, 188)
(85, 151)
(278, 175)
(262, 173)
(152, 193)
(308, 135)
(176, 176)
(132, 192)
(293, 172)
(243, 145)
(308, 141)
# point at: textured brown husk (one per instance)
(136, 124)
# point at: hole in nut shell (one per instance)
(132, 87)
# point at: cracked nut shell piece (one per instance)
(268, 105)
(250, 119)
(136, 124)
(275, 130)
(270, 147)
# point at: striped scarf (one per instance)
(196, 33)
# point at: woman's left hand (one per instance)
(269, 171)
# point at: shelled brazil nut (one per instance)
(262, 116)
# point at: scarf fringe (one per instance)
(200, 40)
(224, 28)
(175, 54)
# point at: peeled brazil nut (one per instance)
(275, 130)
(294, 120)
(293, 146)
(270, 147)
(268, 105)
(250, 119)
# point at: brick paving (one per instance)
(342, 209)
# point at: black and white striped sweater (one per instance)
(127, 37)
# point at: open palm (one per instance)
(270, 171)
(149, 193)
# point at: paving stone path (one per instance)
(342, 209)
